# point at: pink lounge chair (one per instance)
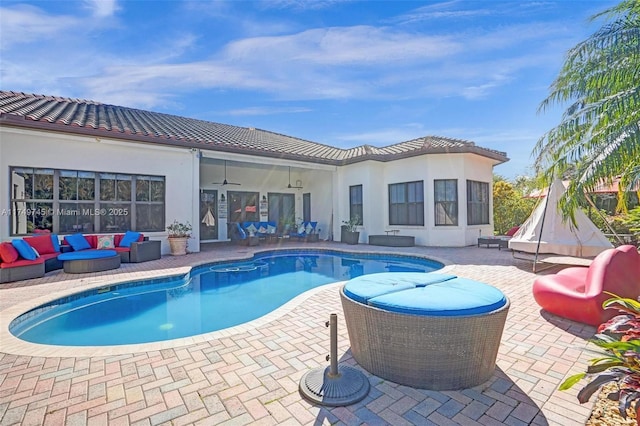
(577, 293)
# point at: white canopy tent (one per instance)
(545, 231)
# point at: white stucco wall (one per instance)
(29, 148)
(376, 176)
(186, 173)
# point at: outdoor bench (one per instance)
(425, 330)
(392, 240)
(29, 257)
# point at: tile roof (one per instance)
(86, 117)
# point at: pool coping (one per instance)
(16, 346)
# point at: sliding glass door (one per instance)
(282, 209)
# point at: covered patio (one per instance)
(249, 374)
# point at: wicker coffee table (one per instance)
(85, 261)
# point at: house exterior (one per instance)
(71, 165)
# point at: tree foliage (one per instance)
(510, 207)
(598, 137)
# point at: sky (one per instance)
(341, 73)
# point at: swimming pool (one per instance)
(212, 297)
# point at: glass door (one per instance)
(282, 210)
(208, 215)
(243, 206)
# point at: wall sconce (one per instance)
(264, 198)
(222, 199)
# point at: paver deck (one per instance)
(250, 374)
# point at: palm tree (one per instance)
(598, 137)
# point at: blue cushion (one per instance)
(24, 250)
(87, 254)
(129, 237)
(78, 242)
(364, 287)
(456, 297)
(56, 242)
(241, 232)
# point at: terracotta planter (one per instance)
(178, 246)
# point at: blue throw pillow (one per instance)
(78, 242)
(56, 242)
(129, 237)
(24, 250)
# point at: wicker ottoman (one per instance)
(81, 262)
(430, 331)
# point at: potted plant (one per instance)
(179, 233)
(620, 339)
(350, 234)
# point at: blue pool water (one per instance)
(211, 297)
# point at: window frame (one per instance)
(478, 200)
(406, 207)
(55, 211)
(355, 207)
(437, 202)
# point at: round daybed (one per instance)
(425, 330)
(84, 261)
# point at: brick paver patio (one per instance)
(250, 374)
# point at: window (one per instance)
(406, 203)
(67, 201)
(355, 202)
(445, 199)
(477, 203)
(149, 205)
(306, 207)
(115, 194)
(77, 194)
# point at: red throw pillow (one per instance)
(43, 244)
(8, 253)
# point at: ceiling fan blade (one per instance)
(225, 181)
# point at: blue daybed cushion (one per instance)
(87, 254)
(78, 242)
(129, 237)
(24, 249)
(456, 297)
(364, 287)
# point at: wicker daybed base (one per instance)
(83, 266)
(429, 352)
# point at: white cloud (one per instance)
(359, 45)
(23, 24)
(363, 62)
(102, 8)
(444, 10)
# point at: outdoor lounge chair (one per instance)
(577, 293)
(304, 231)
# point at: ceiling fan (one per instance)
(291, 186)
(225, 181)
